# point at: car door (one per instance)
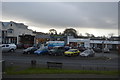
(5, 48)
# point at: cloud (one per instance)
(80, 14)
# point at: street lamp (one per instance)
(103, 48)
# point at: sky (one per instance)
(98, 18)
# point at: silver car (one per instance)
(8, 47)
(87, 53)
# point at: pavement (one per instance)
(61, 76)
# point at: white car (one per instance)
(106, 50)
(8, 47)
(88, 52)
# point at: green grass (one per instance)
(12, 71)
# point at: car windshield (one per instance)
(87, 51)
(72, 50)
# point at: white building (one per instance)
(11, 31)
(111, 44)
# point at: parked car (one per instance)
(72, 52)
(29, 50)
(41, 51)
(67, 48)
(81, 49)
(106, 50)
(87, 53)
(8, 47)
(20, 46)
(98, 50)
(57, 51)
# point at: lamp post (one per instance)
(103, 48)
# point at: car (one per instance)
(67, 48)
(81, 49)
(57, 51)
(20, 46)
(106, 50)
(72, 52)
(29, 50)
(97, 49)
(8, 47)
(87, 53)
(41, 51)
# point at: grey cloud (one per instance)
(87, 15)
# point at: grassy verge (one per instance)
(12, 71)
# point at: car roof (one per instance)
(73, 49)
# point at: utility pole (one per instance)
(103, 48)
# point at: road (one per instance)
(68, 62)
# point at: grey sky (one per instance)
(97, 15)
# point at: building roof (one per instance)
(5, 23)
(19, 25)
(43, 36)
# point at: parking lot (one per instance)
(100, 60)
(19, 52)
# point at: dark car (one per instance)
(57, 51)
(29, 50)
(20, 46)
(67, 48)
(96, 49)
(81, 49)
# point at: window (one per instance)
(3, 45)
(7, 45)
(10, 30)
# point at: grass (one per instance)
(12, 71)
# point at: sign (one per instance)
(55, 43)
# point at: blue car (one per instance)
(41, 51)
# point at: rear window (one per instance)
(3, 45)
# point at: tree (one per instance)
(70, 32)
(89, 35)
(52, 31)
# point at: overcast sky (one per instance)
(98, 18)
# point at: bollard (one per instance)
(33, 63)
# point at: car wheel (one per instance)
(12, 50)
(28, 52)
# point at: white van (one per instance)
(8, 47)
